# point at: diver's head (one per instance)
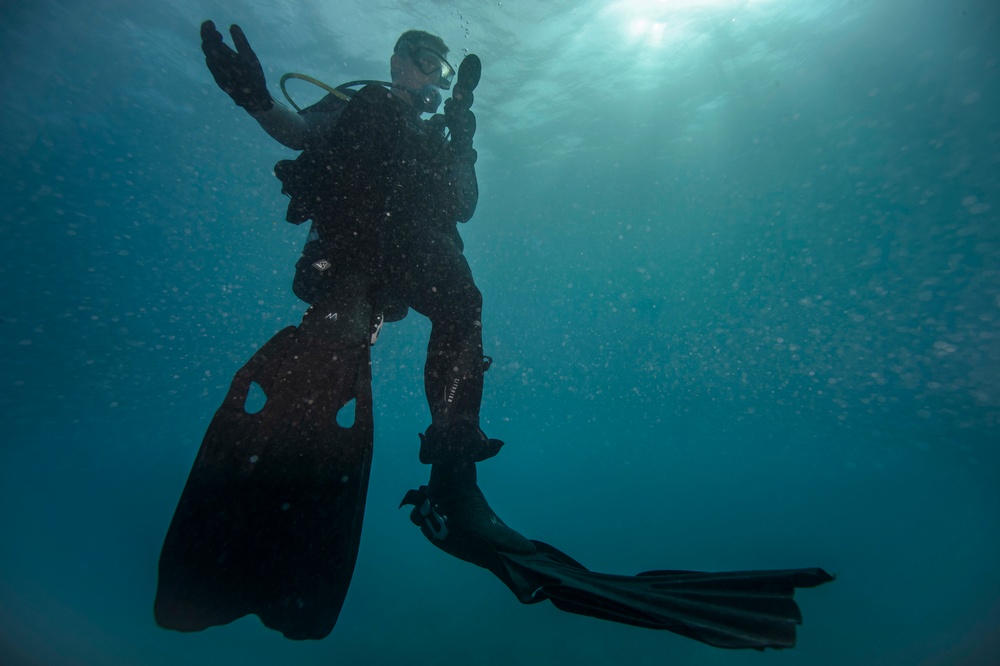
(419, 69)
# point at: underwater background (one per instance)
(741, 271)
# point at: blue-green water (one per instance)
(741, 269)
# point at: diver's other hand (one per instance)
(462, 124)
(237, 72)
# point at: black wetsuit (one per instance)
(385, 191)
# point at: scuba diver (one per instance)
(399, 197)
(269, 522)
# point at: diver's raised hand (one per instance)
(462, 124)
(458, 116)
(237, 72)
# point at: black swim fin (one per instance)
(269, 522)
(469, 73)
(737, 609)
(734, 609)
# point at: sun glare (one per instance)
(646, 30)
(654, 23)
(666, 6)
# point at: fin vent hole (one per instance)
(345, 416)
(255, 399)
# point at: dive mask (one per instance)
(429, 61)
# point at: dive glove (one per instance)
(237, 72)
(462, 125)
(460, 120)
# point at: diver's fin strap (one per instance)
(465, 527)
(426, 514)
(378, 319)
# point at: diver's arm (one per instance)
(241, 76)
(462, 126)
(465, 185)
(283, 125)
(313, 124)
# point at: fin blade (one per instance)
(739, 609)
(269, 522)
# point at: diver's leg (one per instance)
(341, 314)
(439, 284)
(453, 373)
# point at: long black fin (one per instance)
(269, 522)
(735, 609)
